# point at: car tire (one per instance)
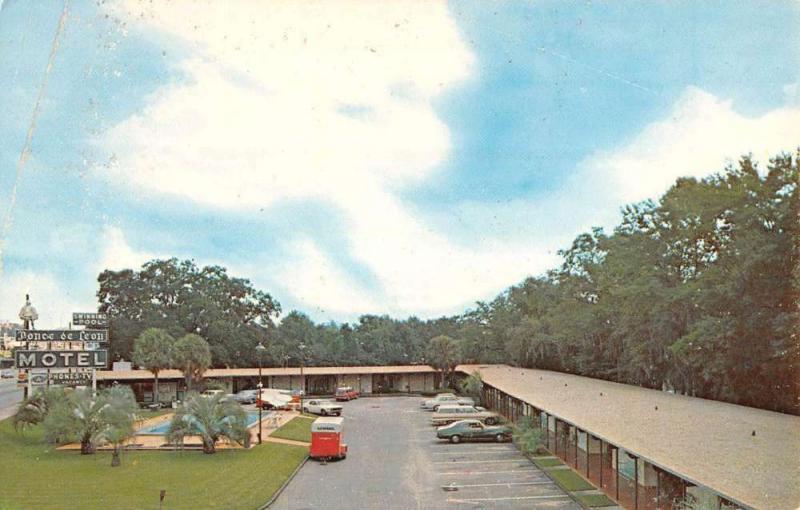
(323, 412)
(305, 409)
(455, 439)
(500, 438)
(435, 408)
(490, 421)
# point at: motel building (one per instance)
(646, 449)
(313, 380)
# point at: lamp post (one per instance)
(260, 350)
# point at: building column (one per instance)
(636, 483)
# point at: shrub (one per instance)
(528, 436)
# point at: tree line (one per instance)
(695, 293)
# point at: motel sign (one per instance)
(61, 359)
(62, 335)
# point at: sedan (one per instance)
(444, 399)
(473, 430)
(246, 396)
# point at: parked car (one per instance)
(211, 393)
(346, 393)
(443, 399)
(448, 414)
(473, 430)
(276, 399)
(246, 396)
(323, 407)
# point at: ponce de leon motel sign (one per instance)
(61, 359)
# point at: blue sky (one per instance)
(405, 158)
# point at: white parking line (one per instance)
(486, 447)
(469, 473)
(517, 498)
(544, 482)
(478, 461)
(493, 452)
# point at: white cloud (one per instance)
(117, 254)
(319, 100)
(333, 101)
(291, 99)
(320, 286)
(54, 302)
(701, 134)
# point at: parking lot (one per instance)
(395, 462)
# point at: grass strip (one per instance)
(594, 500)
(544, 462)
(570, 480)
(298, 429)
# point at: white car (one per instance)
(323, 407)
(448, 414)
(246, 396)
(446, 399)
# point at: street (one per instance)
(9, 397)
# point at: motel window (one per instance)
(627, 465)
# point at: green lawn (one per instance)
(569, 480)
(547, 461)
(298, 429)
(594, 500)
(37, 476)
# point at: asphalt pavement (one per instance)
(394, 461)
(9, 397)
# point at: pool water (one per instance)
(161, 428)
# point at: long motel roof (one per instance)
(703, 441)
(132, 375)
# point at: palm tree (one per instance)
(120, 416)
(33, 409)
(210, 417)
(153, 351)
(192, 356)
(90, 419)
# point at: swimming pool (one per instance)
(161, 428)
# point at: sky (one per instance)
(402, 158)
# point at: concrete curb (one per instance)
(282, 487)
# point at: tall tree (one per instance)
(180, 297)
(443, 355)
(192, 356)
(153, 351)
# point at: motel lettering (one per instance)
(61, 359)
(62, 335)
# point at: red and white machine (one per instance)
(326, 438)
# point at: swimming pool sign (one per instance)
(98, 320)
